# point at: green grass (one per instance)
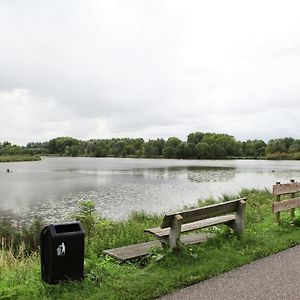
(14, 158)
(159, 273)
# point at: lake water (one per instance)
(52, 187)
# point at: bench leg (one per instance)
(164, 242)
(239, 223)
(175, 230)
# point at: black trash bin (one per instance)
(62, 252)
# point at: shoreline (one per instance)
(19, 158)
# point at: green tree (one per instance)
(295, 146)
(276, 146)
(169, 150)
(182, 151)
(217, 151)
(58, 145)
(195, 137)
(203, 151)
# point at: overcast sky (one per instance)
(102, 69)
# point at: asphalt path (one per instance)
(274, 277)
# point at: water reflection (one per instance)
(207, 174)
(53, 187)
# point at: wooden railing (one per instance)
(287, 204)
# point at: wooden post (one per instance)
(175, 230)
(239, 223)
(278, 213)
(292, 196)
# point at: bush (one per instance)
(15, 238)
(87, 216)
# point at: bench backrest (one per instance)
(201, 213)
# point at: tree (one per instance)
(217, 151)
(276, 146)
(190, 149)
(195, 137)
(182, 151)
(58, 145)
(295, 147)
(169, 150)
(259, 148)
(203, 151)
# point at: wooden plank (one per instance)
(161, 232)
(286, 204)
(203, 212)
(191, 239)
(286, 188)
(140, 250)
(132, 251)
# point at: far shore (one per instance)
(18, 158)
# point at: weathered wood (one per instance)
(131, 251)
(140, 250)
(239, 223)
(292, 196)
(163, 232)
(175, 229)
(286, 204)
(174, 224)
(277, 216)
(283, 189)
(203, 212)
(286, 188)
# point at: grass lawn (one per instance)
(157, 274)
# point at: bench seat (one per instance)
(164, 232)
(230, 213)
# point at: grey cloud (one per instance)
(115, 68)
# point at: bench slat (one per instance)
(286, 188)
(162, 232)
(286, 204)
(203, 212)
(139, 250)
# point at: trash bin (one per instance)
(62, 252)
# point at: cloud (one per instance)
(28, 117)
(152, 69)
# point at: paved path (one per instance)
(271, 278)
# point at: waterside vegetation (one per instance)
(198, 145)
(160, 272)
(14, 158)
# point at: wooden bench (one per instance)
(287, 204)
(230, 213)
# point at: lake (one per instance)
(51, 188)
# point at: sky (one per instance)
(151, 69)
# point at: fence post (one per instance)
(278, 213)
(292, 196)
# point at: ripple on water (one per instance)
(119, 192)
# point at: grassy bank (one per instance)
(14, 158)
(159, 273)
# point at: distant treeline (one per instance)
(197, 146)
